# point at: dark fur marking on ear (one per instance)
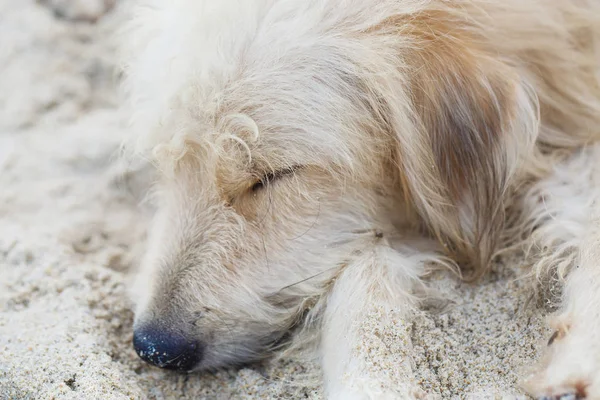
(455, 164)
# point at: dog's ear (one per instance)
(471, 120)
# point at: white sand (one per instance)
(70, 229)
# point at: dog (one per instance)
(316, 158)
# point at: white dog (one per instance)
(316, 156)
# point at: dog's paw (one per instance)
(571, 368)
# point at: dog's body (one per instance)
(316, 155)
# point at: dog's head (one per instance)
(288, 137)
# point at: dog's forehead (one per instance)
(276, 119)
(238, 79)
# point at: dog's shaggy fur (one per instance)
(315, 156)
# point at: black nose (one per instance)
(166, 349)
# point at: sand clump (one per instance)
(71, 229)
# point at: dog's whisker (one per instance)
(364, 231)
(360, 234)
(312, 225)
(304, 280)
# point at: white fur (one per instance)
(566, 207)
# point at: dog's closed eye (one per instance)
(270, 177)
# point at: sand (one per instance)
(71, 229)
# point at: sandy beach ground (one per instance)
(71, 228)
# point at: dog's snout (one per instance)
(166, 349)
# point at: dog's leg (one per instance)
(572, 366)
(570, 234)
(370, 300)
